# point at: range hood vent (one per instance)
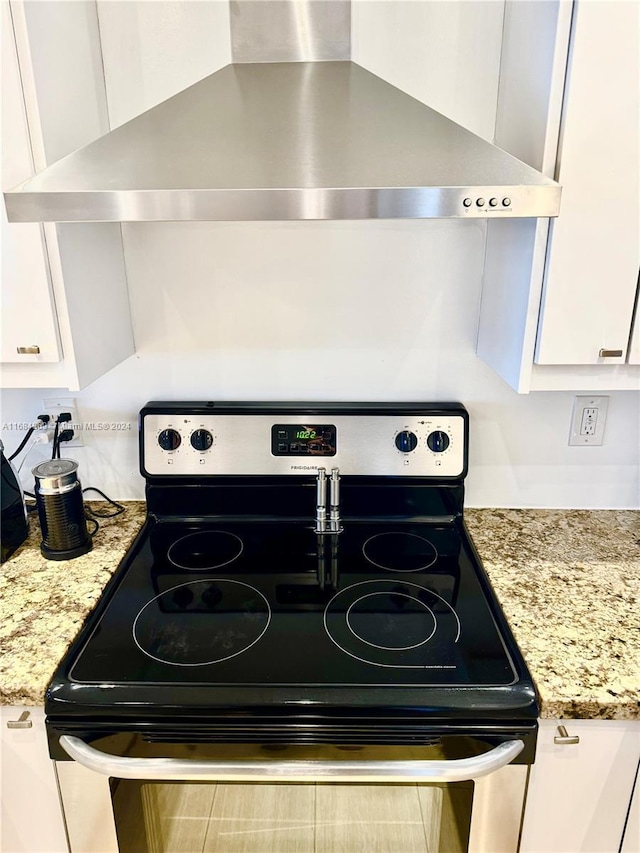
(285, 140)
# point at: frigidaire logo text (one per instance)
(303, 468)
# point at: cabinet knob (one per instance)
(34, 350)
(610, 353)
(23, 722)
(563, 738)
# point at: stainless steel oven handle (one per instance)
(174, 769)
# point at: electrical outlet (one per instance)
(55, 406)
(588, 421)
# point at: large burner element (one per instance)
(201, 622)
(209, 549)
(400, 552)
(390, 624)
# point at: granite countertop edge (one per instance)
(568, 582)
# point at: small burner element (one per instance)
(400, 552)
(375, 615)
(205, 550)
(390, 624)
(201, 622)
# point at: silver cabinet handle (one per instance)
(168, 769)
(23, 721)
(610, 353)
(563, 738)
(32, 350)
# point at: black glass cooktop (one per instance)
(268, 604)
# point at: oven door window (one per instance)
(306, 818)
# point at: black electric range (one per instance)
(304, 574)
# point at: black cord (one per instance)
(119, 507)
(22, 444)
(44, 420)
(93, 532)
(55, 441)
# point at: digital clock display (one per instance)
(306, 434)
(303, 440)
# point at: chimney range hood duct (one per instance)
(291, 130)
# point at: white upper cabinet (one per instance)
(64, 289)
(29, 323)
(594, 246)
(559, 298)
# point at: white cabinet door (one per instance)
(31, 812)
(579, 794)
(28, 313)
(593, 254)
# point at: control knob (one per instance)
(169, 439)
(438, 441)
(201, 439)
(406, 441)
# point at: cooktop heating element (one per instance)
(176, 627)
(304, 570)
(400, 552)
(205, 549)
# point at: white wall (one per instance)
(332, 311)
(152, 49)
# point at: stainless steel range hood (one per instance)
(286, 140)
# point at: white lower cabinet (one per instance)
(31, 811)
(580, 793)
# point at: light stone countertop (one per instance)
(43, 603)
(568, 582)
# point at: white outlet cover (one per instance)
(577, 438)
(54, 405)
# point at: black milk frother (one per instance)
(61, 510)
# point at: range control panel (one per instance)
(433, 444)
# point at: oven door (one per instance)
(122, 793)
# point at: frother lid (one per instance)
(56, 474)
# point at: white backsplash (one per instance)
(335, 311)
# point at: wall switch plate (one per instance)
(55, 406)
(588, 421)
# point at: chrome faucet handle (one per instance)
(321, 501)
(334, 502)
